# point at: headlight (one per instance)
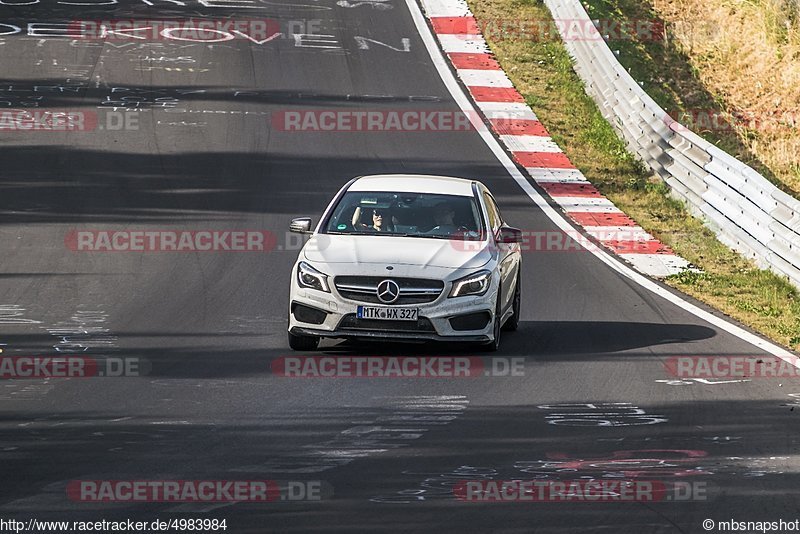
(474, 284)
(309, 277)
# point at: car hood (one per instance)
(393, 250)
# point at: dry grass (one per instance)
(747, 54)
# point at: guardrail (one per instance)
(745, 210)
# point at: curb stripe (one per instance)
(638, 247)
(601, 219)
(599, 204)
(495, 94)
(454, 43)
(530, 143)
(622, 233)
(485, 77)
(559, 189)
(557, 160)
(464, 60)
(543, 174)
(446, 8)
(518, 127)
(657, 264)
(507, 110)
(455, 25)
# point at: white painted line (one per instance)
(507, 110)
(540, 174)
(484, 78)
(530, 143)
(464, 104)
(454, 43)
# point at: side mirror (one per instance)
(301, 225)
(509, 234)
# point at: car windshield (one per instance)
(406, 214)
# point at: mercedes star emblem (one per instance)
(388, 291)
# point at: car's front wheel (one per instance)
(494, 345)
(298, 342)
(513, 322)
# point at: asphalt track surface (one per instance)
(388, 451)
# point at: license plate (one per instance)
(387, 314)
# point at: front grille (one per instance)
(412, 290)
(351, 322)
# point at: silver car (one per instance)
(406, 258)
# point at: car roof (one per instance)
(414, 183)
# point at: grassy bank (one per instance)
(736, 60)
(541, 70)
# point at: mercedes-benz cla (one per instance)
(406, 258)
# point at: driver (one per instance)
(443, 215)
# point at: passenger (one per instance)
(380, 221)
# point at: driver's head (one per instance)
(379, 217)
(443, 214)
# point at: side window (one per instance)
(494, 213)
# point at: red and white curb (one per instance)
(532, 147)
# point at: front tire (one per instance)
(494, 345)
(297, 342)
(513, 322)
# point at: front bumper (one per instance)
(433, 323)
